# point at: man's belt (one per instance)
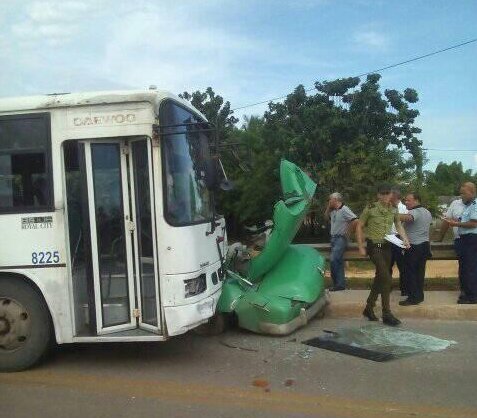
(378, 244)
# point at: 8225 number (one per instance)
(45, 257)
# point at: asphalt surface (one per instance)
(239, 374)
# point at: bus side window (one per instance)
(25, 163)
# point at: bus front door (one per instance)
(123, 247)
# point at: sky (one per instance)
(250, 51)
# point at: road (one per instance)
(194, 376)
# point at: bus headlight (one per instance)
(195, 286)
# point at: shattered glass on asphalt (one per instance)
(395, 341)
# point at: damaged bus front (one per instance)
(107, 220)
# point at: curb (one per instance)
(339, 308)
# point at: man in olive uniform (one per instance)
(377, 220)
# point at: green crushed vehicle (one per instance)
(283, 287)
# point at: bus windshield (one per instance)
(185, 147)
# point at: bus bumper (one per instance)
(180, 319)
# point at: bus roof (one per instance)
(51, 101)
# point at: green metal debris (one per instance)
(283, 286)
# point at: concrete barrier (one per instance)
(441, 305)
(440, 251)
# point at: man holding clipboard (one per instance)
(376, 221)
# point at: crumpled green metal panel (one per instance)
(294, 283)
(284, 280)
(232, 291)
(295, 182)
(277, 310)
(297, 276)
(298, 190)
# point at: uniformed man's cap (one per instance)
(384, 189)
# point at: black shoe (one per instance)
(369, 313)
(465, 301)
(336, 289)
(409, 302)
(462, 299)
(390, 319)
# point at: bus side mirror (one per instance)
(213, 180)
(226, 185)
(211, 174)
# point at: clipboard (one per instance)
(393, 239)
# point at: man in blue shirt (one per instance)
(467, 225)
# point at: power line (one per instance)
(420, 57)
(449, 150)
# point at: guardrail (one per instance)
(440, 251)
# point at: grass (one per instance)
(361, 265)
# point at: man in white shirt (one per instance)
(397, 256)
(454, 211)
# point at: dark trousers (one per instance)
(397, 257)
(468, 268)
(381, 258)
(337, 267)
(415, 259)
(458, 252)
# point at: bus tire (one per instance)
(25, 325)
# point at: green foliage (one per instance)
(447, 178)
(444, 181)
(348, 136)
(429, 199)
(214, 108)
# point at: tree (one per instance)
(219, 113)
(348, 135)
(447, 178)
(215, 110)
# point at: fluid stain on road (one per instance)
(192, 376)
(231, 397)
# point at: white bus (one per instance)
(108, 231)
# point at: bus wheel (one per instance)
(25, 326)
